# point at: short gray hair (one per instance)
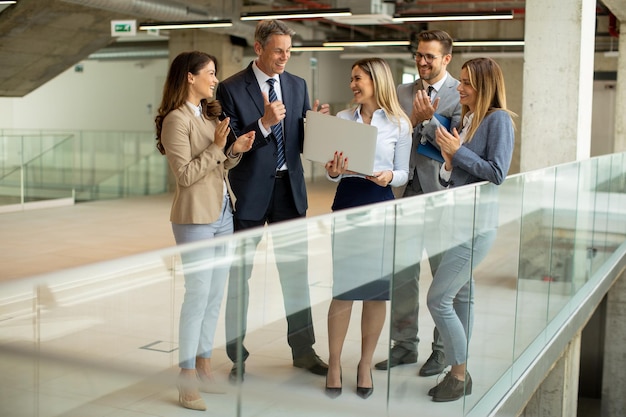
(266, 28)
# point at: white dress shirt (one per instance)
(261, 79)
(393, 145)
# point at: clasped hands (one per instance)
(449, 143)
(243, 142)
(339, 165)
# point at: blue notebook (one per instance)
(427, 149)
(443, 121)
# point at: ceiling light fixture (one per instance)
(195, 24)
(489, 43)
(8, 1)
(368, 43)
(431, 17)
(295, 14)
(319, 48)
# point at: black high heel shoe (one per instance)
(364, 392)
(334, 392)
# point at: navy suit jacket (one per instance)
(253, 179)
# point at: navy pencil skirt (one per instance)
(362, 242)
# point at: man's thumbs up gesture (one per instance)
(274, 112)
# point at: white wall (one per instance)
(106, 95)
(117, 95)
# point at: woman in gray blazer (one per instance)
(192, 138)
(481, 151)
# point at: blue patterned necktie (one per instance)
(277, 129)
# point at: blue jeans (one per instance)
(205, 278)
(450, 298)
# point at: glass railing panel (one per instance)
(362, 257)
(105, 338)
(144, 177)
(607, 220)
(49, 175)
(11, 191)
(566, 241)
(535, 259)
(498, 219)
(586, 226)
(88, 165)
(95, 340)
(118, 164)
(412, 217)
(35, 168)
(616, 187)
(276, 306)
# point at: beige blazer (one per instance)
(199, 166)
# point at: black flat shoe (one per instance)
(311, 363)
(364, 392)
(397, 356)
(333, 392)
(434, 365)
(234, 377)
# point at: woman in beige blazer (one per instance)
(193, 140)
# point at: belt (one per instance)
(282, 174)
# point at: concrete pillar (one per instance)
(229, 56)
(613, 370)
(558, 82)
(557, 396)
(620, 98)
(618, 8)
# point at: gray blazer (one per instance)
(422, 168)
(487, 157)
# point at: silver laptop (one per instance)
(325, 134)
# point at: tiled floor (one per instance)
(110, 351)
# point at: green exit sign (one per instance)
(123, 27)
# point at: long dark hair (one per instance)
(176, 89)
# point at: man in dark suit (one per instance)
(434, 92)
(269, 186)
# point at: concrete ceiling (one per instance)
(41, 39)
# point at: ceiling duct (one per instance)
(143, 8)
(372, 12)
(161, 10)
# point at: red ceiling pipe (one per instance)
(613, 26)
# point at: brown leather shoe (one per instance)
(451, 389)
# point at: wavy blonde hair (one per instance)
(485, 76)
(384, 87)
